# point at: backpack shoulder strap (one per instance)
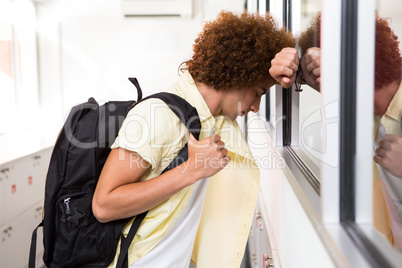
(32, 250)
(182, 109)
(137, 86)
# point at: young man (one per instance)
(202, 209)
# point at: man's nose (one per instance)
(256, 105)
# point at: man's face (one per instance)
(241, 101)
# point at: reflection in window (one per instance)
(387, 181)
(312, 131)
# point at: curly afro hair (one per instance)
(235, 51)
(312, 35)
(387, 54)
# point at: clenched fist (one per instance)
(206, 157)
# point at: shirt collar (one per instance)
(185, 87)
(228, 129)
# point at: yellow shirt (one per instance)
(152, 130)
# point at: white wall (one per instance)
(294, 238)
(95, 49)
(87, 48)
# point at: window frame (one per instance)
(287, 113)
(345, 213)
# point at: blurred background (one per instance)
(55, 54)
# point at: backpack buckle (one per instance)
(74, 220)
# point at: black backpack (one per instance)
(72, 236)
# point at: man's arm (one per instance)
(284, 66)
(286, 63)
(120, 193)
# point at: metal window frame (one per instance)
(348, 109)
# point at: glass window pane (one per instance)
(311, 130)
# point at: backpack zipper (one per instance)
(67, 204)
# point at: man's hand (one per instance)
(284, 66)
(389, 154)
(311, 67)
(206, 157)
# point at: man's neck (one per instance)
(212, 97)
(383, 97)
